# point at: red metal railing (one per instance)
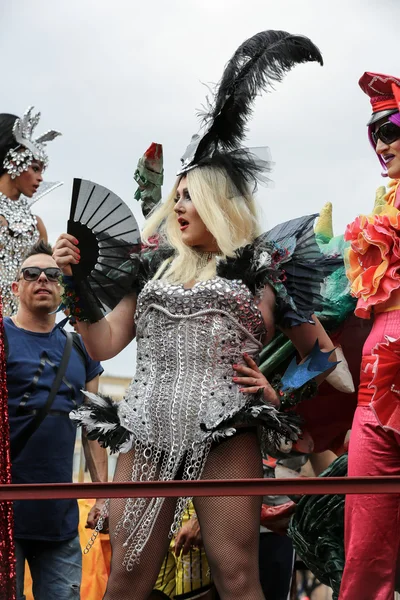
(225, 487)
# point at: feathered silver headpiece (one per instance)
(259, 63)
(29, 148)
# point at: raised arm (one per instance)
(106, 338)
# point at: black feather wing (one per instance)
(288, 259)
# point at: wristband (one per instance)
(79, 300)
(292, 396)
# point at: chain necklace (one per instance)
(204, 258)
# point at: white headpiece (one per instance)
(18, 160)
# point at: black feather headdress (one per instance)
(259, 63)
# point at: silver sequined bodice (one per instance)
(16, 238)
(187, 342)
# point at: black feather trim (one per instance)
(244, 168)
(245, 266)
(101, 422)
(147, 264)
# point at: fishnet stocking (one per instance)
(136, 584)
(230, 526)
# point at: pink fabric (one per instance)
(385, 324)
(380, 371)
(372, 522)
(386, 384)
(365, 392)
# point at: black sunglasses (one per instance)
(388, 133)
(33, 273)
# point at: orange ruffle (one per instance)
(373, 259)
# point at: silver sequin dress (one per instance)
(16, 238)
(182, 398)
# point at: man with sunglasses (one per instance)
(42, 435)
(372, 522)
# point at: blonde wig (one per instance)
(231, 218)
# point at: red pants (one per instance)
(372, 522)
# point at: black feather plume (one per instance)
(259, 63)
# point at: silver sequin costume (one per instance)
(16, 237)
(182, 397)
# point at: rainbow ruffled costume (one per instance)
(373, 259)
(373, 269)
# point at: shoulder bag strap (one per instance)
(41, 414)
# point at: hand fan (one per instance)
(108, 235)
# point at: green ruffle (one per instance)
(317, 531)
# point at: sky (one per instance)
(115, 76)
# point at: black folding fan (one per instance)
(108, 235)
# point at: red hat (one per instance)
(384, 92)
